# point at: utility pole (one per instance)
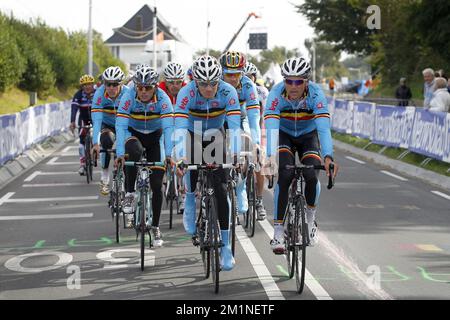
(90, 47)
(252, 14)
(314, 60)
(155, 25)
(207, 27)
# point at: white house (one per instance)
(133, 42)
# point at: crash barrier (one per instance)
(415, 129)
(18, 131)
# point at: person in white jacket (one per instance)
(441, 97)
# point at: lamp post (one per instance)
(90, 47)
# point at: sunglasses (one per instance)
(112, 84)
(205, 84)
(294, 82)
(176, 82)
(232, 75)
(145, 88)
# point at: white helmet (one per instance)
(296, 67)
(146, 75)
(207, 68)
(173, 71)
(250, 69)
(113, 74)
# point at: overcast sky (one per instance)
(284, 26)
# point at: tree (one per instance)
(11, 59)
(275, 55)
(341, 22)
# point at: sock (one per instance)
(105, 176)
(310, 215)
(278, 230)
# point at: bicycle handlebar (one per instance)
(143, 164)
(211, 166)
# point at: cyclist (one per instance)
(201, 109)
(172, 84)
(233, 64)
(145, 113)
(82, 102)
(251, 72)
(296, 112)
(104, 109)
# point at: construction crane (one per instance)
(252, 14)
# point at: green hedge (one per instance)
(36, 57)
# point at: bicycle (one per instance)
(116, 195)
(143, 210)
(207, 236)
(234, 218)
(89, 163)
(295, 225)
(250, 216)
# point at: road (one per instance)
(382, 236)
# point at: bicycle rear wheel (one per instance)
(291, 254)
(87, 155)
(214, 231)
(201, 228)
(302, 232)
(116, 193)
(171, 196)
(251, 214)
(233, 218)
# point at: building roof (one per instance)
(139, 29)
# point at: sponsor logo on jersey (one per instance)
(320, 105)
(192, 93)
(232, 101)
(215, 104)
(184, 103)
(274, 104)
(164, 106)
(126, 105)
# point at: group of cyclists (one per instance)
(209, 114)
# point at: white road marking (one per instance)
(47, 216)
(32, 176)
(27, 200)
(319, 292)
(355, 160)
(66, 149)
(394, 175)
(14, 264)
(6, 197)
(443, 195)
(52, 160)
(269, 285)
(40, 185)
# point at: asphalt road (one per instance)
(381, 237)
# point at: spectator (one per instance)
(403, 93)
(428, 87)
(441, 97)
(331, 85)
(448, 86)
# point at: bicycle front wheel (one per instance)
(233, 219)
(291, 254)
(142, 226)
(214, 230)
(301, 236)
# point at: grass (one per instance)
(15, 100)
(393, 153)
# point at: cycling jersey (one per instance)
(145, 118)
(297, 118)
(163, 86)
(250, 108)
(197, 114)
(104, 110)
(81, 102)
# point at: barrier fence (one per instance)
(415, 129)
(20, 130)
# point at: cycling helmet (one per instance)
(296, 67)
(250, 69)
(206, 68)
(87, 79)
(189, 74)
(232, 62)
(146, 76)
(173, 71)
(113, 74)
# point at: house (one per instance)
(133, 42)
